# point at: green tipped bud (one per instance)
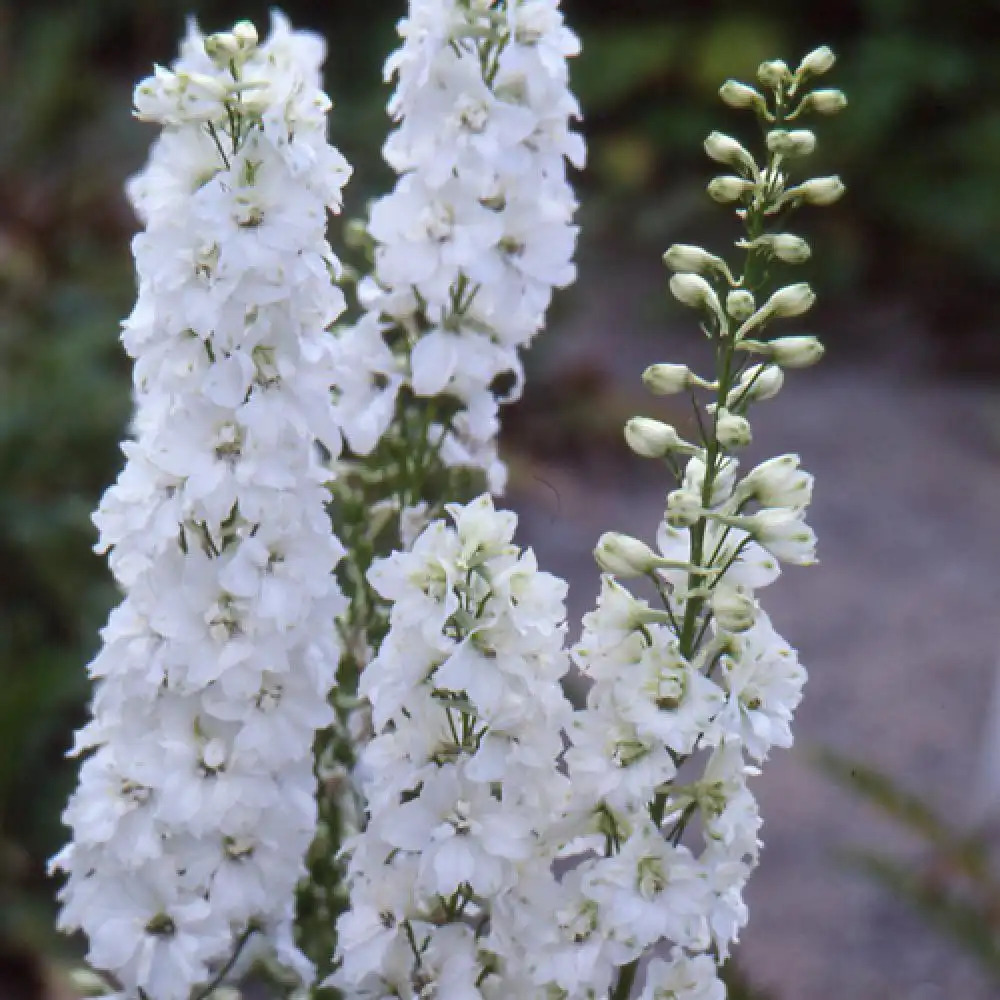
(817, 62)
(817, 191)
(823, 102)
(624, 556)
(666, 380)
(795, 352)
(685, 258)
(732, 430)
(693, 290)
(727, 188)
(683, 508)
(724, 149)
(798, 142)
(653, 438)
(739, 95)
(734, 609)
(792, 300)
(758, 382)
(740, 304)
(774, 74)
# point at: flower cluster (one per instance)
(477, 232)
(461, 778)
(196, 800)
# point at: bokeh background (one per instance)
(899, 624)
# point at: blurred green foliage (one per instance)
(920, 149)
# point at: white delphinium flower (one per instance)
(461, 777)
(686, 699)
(478, 231)
(196, 801)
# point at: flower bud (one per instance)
(687, 259)
(786, 247)
(734, 609)
(222, 47)
(740, 304)
(792, 300)
(798, 142)
(817, 62)
(624, 556)
(817, 191)
(246, 34)
(653, 438)
(823, 102)
(728, 188)
(666, 380)
(683, 508)
(795, 352)
(758, 382)
(779, 482)
(774, 74)
(724, 149)
(739, 95)
(731, 430)
(693, 290)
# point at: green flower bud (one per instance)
(774, 74)
(666, 380)
(725, 149)
(653, 438)
(795, 352)
(739, 95)
(740, 304)
(728, 188)
(817, 62)
(732, 430)
(799, 142)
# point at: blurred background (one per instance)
(877, 879)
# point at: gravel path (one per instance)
(898, 626)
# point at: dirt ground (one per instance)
(898, 625)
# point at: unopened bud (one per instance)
(797, 142)
(685, 258)
(222, 47)
(728, 188)
(817, 62)
(817, 191)
(734, 609)
(740, 304)
(666, 380)
(795, 352)
(693, 290)
(758, 382)
(732, 430)
(785, 246)
(246, 34)
(683, 508)
(792, 300)
(624, 556)
(823, 102)
(774, 74)
(653, 438)
(725, 149)
(739, 95)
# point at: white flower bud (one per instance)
(797, 142)
(666, 380)
(683, 508)
(792, 300)
(817, 191)
(817, 62)
(728, 188)
(774, 74)
(740, 304)
(734, 609)
(758, 382)
(779, 482)
(624, 556)
(725, 149)
(823, 102)
(693, 290)
(732, 430)
(785, 246)
(739, 95)
(246, 34)
(795, 352)
(222, 47)
(653, 438)
(687, 259)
